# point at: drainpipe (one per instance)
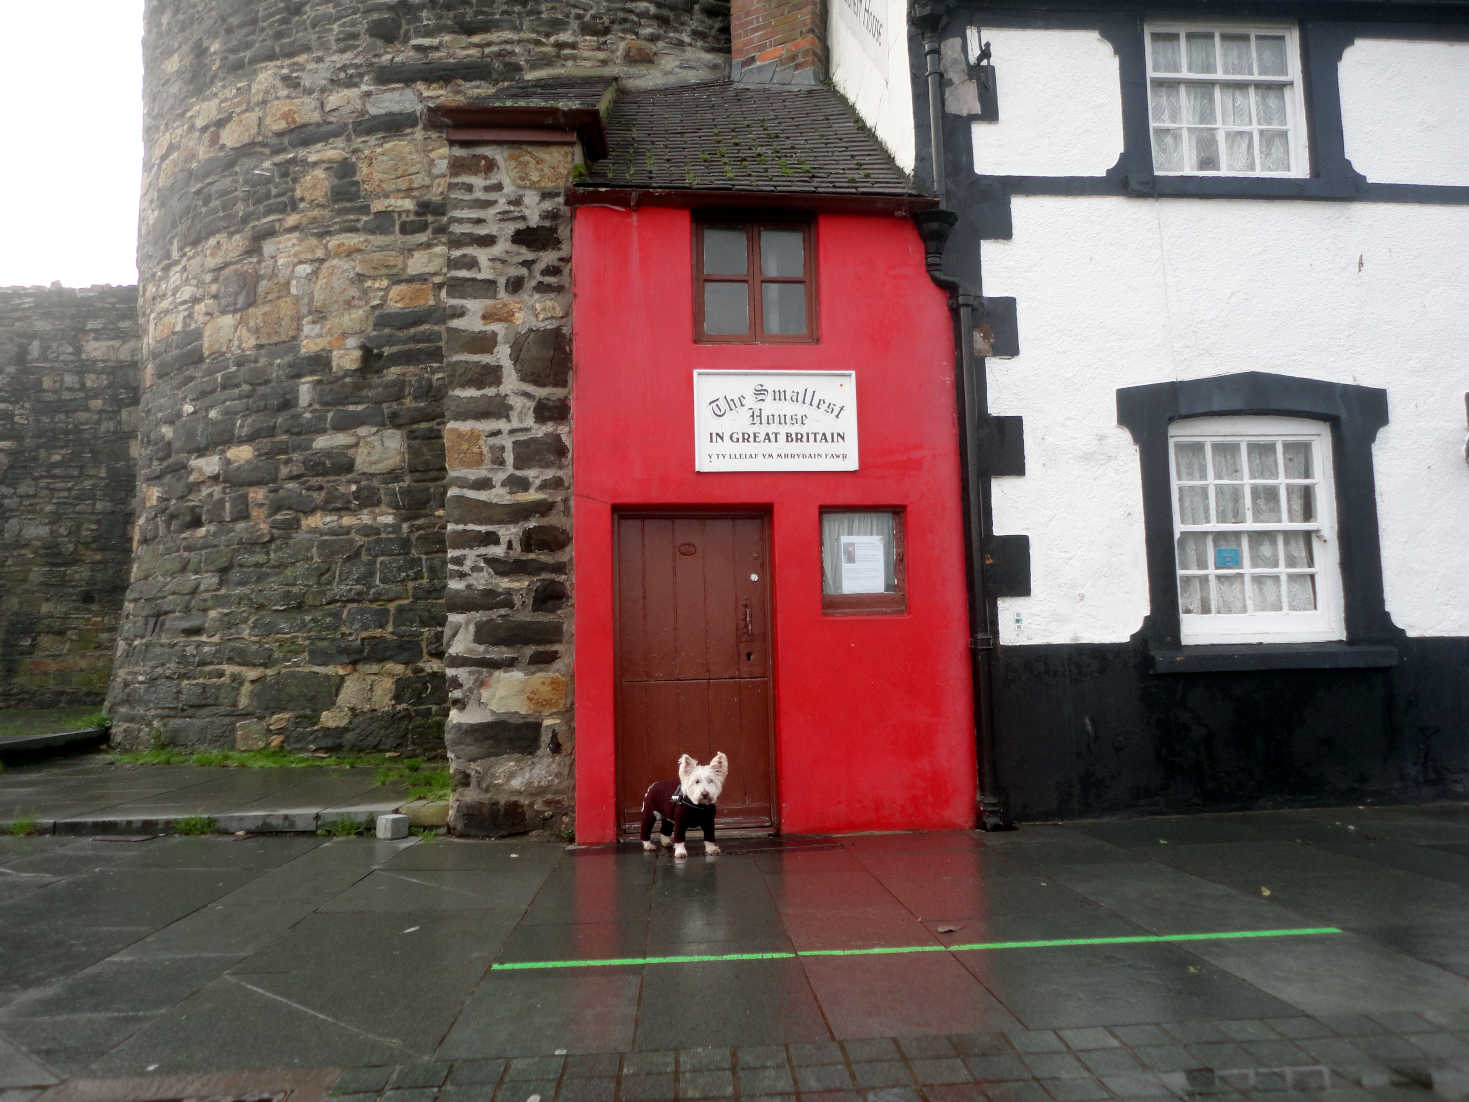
(967, 307)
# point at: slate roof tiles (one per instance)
(722, 136)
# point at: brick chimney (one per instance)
(778, 41)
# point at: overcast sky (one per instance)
(71, 101)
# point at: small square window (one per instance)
(862, 561)
(1225, 101)
(754, 282)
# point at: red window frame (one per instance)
(857, 604)
(754, 279)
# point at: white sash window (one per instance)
(1254, 523)
(1225, 101)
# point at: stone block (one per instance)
(381, 452)
(295, 691)
(542, 357)
(463, 509)
(392, 826)
(480, 817)
(493, 738)
(539, 452)
(541, 166)
(464, 448)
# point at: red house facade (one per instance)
(769, 554)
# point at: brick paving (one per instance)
(1329, 1059)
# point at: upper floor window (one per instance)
(754, 282)
(1225, 100)
(1254, 514)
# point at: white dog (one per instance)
(688, 801)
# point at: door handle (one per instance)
(749, 627)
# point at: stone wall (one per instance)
(508, 636)
(68, 414)
(288, 584)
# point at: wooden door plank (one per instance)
(690, 561)
(721, 603)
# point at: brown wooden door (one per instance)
(693, 657)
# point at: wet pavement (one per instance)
(93, 794)
(1317, 954)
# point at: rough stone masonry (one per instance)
(68, 424)
(311, 434)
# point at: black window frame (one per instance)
(1354, 414)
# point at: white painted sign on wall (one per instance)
(775, 421)
(867, 23)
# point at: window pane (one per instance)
(726, 308)
(1227, 466)
(1228, 555)
(1168, 150)
(1193, 595)
(1263, 461)
(1193, 551)
(1235, 104)
(1189, 459)
(1264, 550)
(1234, 54)
(784, 308)
(1201, 53)
(724, 251)
(1270, 55)
(1265, 592)
(1199, 99)
(1193, 505)
(1229, 504)
(1204, 150)
(1297, 459)
(1265, 504)
(858, 553)
(1239, 151)
(1274, 151)
(1167, 103)
(1231, 591)
(782, 253)
(1298, 550)
(1300, 504)
(1166, 56)
(1300, 592)
(1270, 105)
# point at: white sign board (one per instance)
(775, 421)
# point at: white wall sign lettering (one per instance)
(775, 421)
(864, 17)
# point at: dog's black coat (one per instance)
(666, 798)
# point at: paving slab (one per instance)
(93, 794)
(926, 966)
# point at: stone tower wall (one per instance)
(296, 253)
(68, 414)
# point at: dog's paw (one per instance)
(649, 847)
(711, 850)
(680, 852)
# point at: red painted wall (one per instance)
(873, 716)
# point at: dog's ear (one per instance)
(720, 765)
(686, 765)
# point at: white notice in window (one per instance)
(862, 570)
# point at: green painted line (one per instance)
(896, 950)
